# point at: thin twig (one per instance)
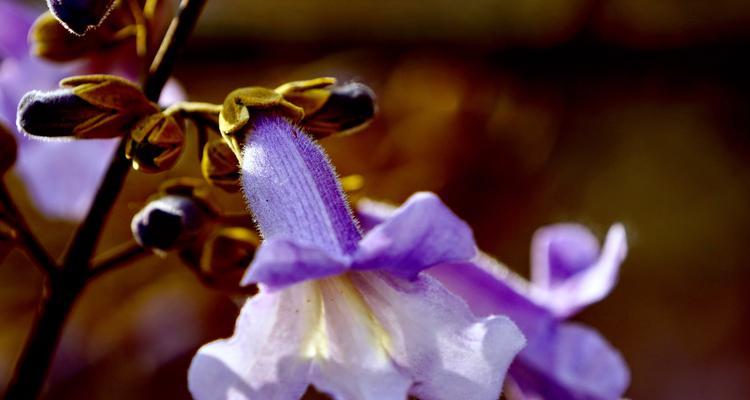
(26, 238)
(115, 257)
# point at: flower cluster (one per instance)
(383, 303)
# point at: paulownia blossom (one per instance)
(569, 271)
(351, 315)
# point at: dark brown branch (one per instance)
(116, 257)
(26, 238)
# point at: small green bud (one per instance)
(225, 257)
(220, 167)
(155, 143)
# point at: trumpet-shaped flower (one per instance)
(351, 315)
(561, 360)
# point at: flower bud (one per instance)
(155, 143)
(242, 104)
(87, 107)
(8, 150)
(226, 256)
(79, 16)
(170, 221)
(330, 108)
(219, 165)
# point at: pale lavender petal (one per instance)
(15, 19)
(354, 363)
(489, 288)
(371, 213)
(590, 285)
(433, 335)
(266, 358)
(280, 262)
(560, 251)
(570, 362)
(421, 233)
(292, 190)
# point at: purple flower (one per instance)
(561, 360)
(348, 314)
(61, 177)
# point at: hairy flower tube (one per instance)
(561, 360)
(350, 314)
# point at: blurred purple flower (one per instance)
(569, 271)
(61, 177)
(351, 315)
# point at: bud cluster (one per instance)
(103, 107)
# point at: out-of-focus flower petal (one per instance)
(421, 233)
(281, 262)
(571, 362)
(15, 20)
(589, 285)
(489, 288)
(559, 252)
(265, 359)
(449, 353)
(351, 359)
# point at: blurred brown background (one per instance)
(519, 114)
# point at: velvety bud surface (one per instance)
(80, 15)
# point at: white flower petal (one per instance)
(449, 353)
(265, 359)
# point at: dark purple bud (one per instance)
(79, 16)
(53, 114)
(168, 221)
(347, 108)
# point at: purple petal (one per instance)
(570, 362)
(371, 213)
(433, 336)
(281, 262)
(489, 288)
(265, 359)
(353, 362)
(16, 19)
(566, 297)
(292, 190)
(560, 251)
(421, 233)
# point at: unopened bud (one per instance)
(8, 149)
(79, 16)
(226, 256)
(330, 108)
(87, 107)
(155, 143)
(219, 165)
(169, 222)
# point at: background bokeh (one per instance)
(519, 114)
